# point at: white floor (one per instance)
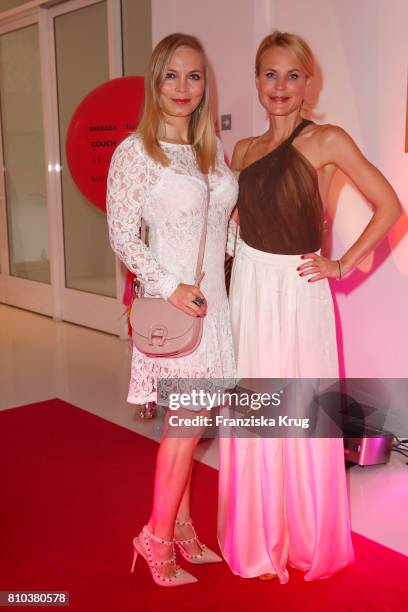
(41, 359)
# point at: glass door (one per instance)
(25, 278)
(91, 279)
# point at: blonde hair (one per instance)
(201, 127)
(294, 43)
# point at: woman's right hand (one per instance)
(183, 298)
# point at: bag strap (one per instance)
(200, 257)
(143, 232)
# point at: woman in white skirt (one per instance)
(158, 174)
(284, 501)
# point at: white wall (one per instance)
(361, 48)
(226, 30)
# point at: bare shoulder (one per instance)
(333, 144)
(240, 149)
(329, 135)
(242, 145)
(336, 146)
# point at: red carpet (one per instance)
(75, 488)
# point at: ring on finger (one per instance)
(198, 301)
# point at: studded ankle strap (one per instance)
(155, 538)
(183, 523)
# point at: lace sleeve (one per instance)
(129, 180)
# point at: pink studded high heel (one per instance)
(205, 556)
(148, 410)
(141, 545)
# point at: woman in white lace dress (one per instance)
(158, 174)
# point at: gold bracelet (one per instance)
(340, 274)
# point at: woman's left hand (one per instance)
(320, 266)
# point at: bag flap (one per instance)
(153, 313)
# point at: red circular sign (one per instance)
(103, 119)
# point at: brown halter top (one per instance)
(279, 204)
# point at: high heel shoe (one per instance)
(268, 576)
(141, 545)
(148, 410)
(205, 556)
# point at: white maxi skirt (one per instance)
(282, 501)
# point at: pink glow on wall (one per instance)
(361, 48)
(398, 244)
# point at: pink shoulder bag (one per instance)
(162, 330)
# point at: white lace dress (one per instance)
(171, 199)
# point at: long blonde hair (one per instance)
(201, 131)
(294, 43)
